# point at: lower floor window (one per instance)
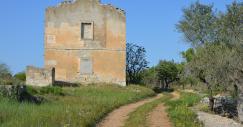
(86, 66)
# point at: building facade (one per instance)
(85, 41)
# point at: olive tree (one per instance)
(211, 65)
(216, 40)
(167, 73)
(149, 77)
(230, 24)
(198, 24)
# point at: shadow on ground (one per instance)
(160, 90)
(65, 84)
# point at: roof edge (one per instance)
(70, 2)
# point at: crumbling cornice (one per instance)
(70, 2)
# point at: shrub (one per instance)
(32, 90)
(20, 76)
(5, 75)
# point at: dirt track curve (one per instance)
(157, 118)
(118, 117)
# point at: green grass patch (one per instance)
(138, 117)
(54, 90)
(204, 108)
(80, 107)
(180, 113)
(51, 90)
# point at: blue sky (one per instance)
(150, 23)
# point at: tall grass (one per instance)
(180, 113)
(80, 107)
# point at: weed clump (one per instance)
(180, 113)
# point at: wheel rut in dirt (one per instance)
(118, 117)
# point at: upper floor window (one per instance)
(87, 31)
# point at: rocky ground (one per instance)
(211, 120)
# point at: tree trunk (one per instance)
(211, 98)
(160, 84)
(240, 107)
(211, 102)
(240, 102)
(166, 85)
(164, 82)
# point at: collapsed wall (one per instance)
(40, 76)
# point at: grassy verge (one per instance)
(80, 107)
(138, 117)
(180, 113)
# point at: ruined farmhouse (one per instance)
(85, 42)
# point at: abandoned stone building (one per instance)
(85, 42)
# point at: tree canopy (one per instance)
(136, 62)
(216, 55)
(167, 72)
(198, 24)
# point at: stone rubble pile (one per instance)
(223, 105)
(19, 93)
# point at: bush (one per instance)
(5, 75)
(20, 76)
(6, 82)
(32, 90)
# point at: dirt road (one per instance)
(118, 117)
(157, 118)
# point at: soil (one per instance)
(158, 117)
(176, 95)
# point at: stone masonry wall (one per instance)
(85, 41)
(40, 76)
